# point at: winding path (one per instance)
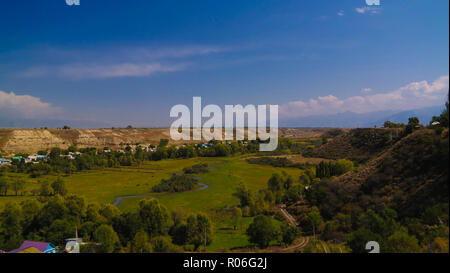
(119, 199)
(303, 242)
(291, 220)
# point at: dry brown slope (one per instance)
(33, 140)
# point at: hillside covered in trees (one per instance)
(398, 196)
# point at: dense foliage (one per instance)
(176, 183)
(104, 228)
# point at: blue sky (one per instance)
(129, 62)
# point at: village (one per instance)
(42, 156)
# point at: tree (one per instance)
(390, 124)
(87, 230)
(55, 153)
(18, 185)
(443, 118)
(109, 211)
(199, 230)
(179, 233)
(288, 183)
(244, 195)
(261, 231)
(58, 231)
(30, 209)
(107, 237)
(162, 244)
(141, 243)
(413, 124)
(288, 234)
(4, 185)
(222, 150)
(358, 240)
(75, 206)
(275, 182)
(154, 216)
(10, 225)
(42, 152)
(315, 219)
(236, 217)
(401, 242)
(45, 189)
(163, 142)
(304, 179)
(343, 166)
(59, 186)
(53, 210)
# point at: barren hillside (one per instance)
(33, 140)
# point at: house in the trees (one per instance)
(35, 247)
(4, 161)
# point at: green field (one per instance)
(103, 186)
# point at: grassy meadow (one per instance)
(103, 186)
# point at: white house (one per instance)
(4, 161)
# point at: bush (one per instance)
(176, 183)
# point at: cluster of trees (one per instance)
(443, 118)
(196, 169)
(371, 140)
(17, 187)
(281, 162)
(262, 231)
(390, 124)
(403, 204)
(176, 183)
(151, 229)
(282, 188)
(324, 169)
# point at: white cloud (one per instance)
(411, 96)
(117, 70)
(24, 106)
(340, 13)
(178, 52)
(120, 61)
(366, 90)
(368, 10)
(89, 71)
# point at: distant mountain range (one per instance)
(51, 123)
(342, 120)
(353, 120)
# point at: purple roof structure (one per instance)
(41, 246)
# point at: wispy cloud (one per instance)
(179, 52)
(411, 96)
(117, 70)
(119, 62)
(366, 90)
(99, 71)
(25, 106)
(340, 13)
(367, 10)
